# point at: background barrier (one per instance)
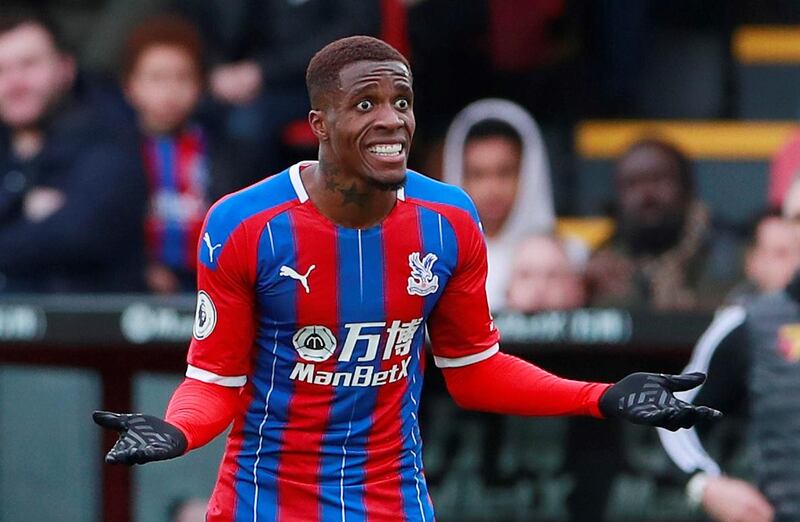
(62, 357)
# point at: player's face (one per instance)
(33, 75)
(371, 121)
(164, 87)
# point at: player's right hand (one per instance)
(726, 499)
(142, 438)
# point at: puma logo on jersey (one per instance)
(207, 241)
(287, 271)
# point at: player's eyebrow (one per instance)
(404, 85)
(365, 87)
(368, 85)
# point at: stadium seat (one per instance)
(730, 159)
(767, 68)
(592, 231)
(683, 76)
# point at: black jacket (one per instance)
(93, 243)
(282, 35)
(752, 357)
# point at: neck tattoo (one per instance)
(350, 194)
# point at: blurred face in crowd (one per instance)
(651, 196)
(649, 185)
(34, 75)
(542, 278)
(491, 176)
(164, 88)
(791, 203)
(191, 511)
(775, 256)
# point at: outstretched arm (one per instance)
(506, 384)
(218, 360)
(197, 413)
(202, 410)
(465, 345)
(142, 438)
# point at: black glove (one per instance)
(646, 398)
(142, 438)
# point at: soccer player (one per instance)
(315, 287)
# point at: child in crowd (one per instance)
(162, 75)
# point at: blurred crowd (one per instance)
(121, 122)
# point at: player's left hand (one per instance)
(142, 438)
(647, 398)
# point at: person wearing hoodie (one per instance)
(495, 152)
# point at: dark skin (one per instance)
(364, 129)
(649, 185)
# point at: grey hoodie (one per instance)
(533, 208)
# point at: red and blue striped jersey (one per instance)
(324, 326)
(176, 169)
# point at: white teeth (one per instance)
(386, 149)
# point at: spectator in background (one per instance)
(494, 150)
(95, 30)
(666, 253)
(185, 163)
(259, 53)
(771, 257)
(543, 277)
(751, 355)
(71, 198)
(784, 170)
(188, 510)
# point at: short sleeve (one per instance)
(461, 328)
(224, 328)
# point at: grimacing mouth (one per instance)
(388, 149)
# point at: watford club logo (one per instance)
(789, 342)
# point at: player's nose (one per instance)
(388, 117)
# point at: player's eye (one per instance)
(401, 104)
(364, 105)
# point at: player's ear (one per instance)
(318, 124)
